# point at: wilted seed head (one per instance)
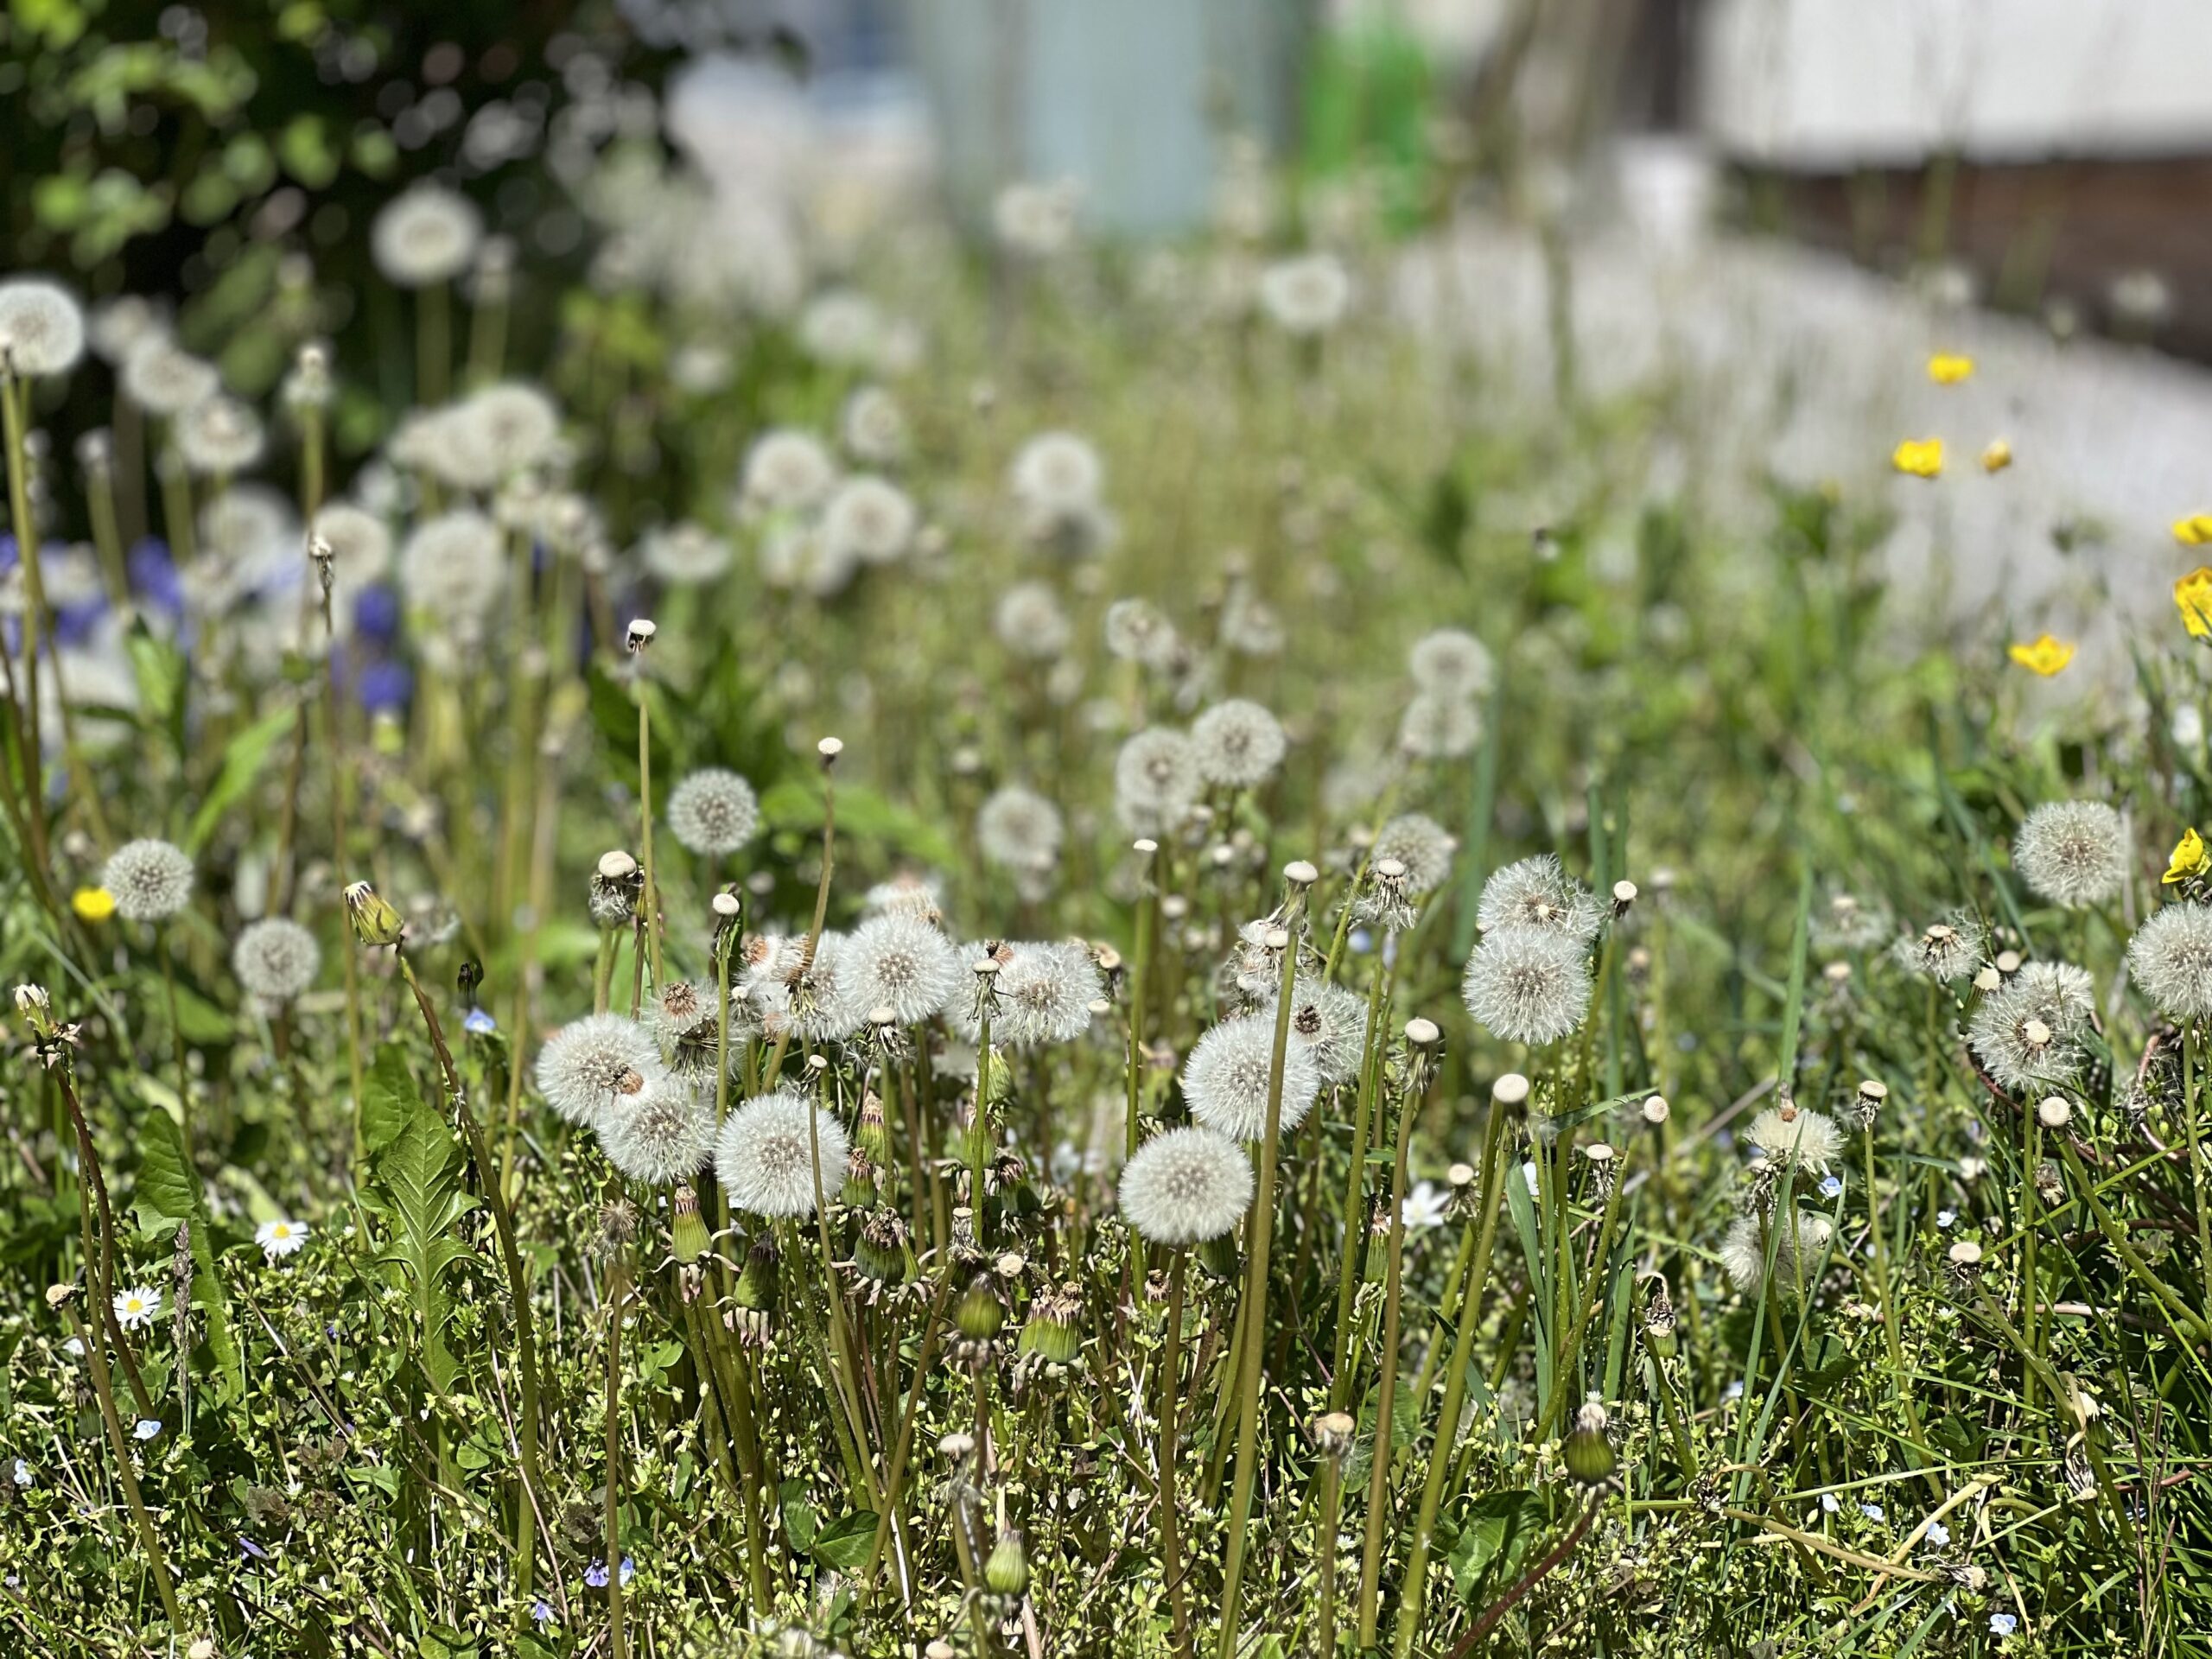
(1185, 1186)
(1800, 1252)
(41, 328)
(614, 889)
(2073, 853)
(151, 879)
(2022, 1040)
(901, 965)
(1421, 846)
(1436, 726)
(766, 1154)
(594, 1064)
(1949, 951)
(713, 812)
(1784, 1132)
(1538, 893)
(2171, 957)
(659, 1135)
(1236, 744)
(1383, 900)
(1848, 923)
(679, 1009)
(1225, 1081)
(276, 959)
(1155, 779)
(1866, 1102)
(1528, 985)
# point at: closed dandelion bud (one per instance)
(375, 922)
(1053, 1331)
(756, 1279)
(880, 1252)
(860, 1189)
(689, 1231)
(871, 1138)
(1007, 1571)
(1659, 1323)
(1332, 1433)
(1002, 1089)
(1590, 1458)
(979, 1313)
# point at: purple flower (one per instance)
(595, 1575)
(629, 1570)
(479, 1023)
(375, 613)
(541, 1612)
(248, 1547)
(153, 575)
(383, 686)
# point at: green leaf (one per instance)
(800, 1521)
(845, 1544)
(864, 814)
(244, 756)
(388, 1098)
(1496, 1528)
(166, 1196)
(160, 671)
(418, 1184)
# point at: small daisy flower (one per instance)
(137, 1307)
(281, 1237)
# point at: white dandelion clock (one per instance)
(661, 1135)
(359, 543)
(1237, 744)
(2171, 957)
(1784, 1133)
(1329, 1022)
(1450, 663)
(1307, 295)
(786, 471)
(868, 520)
(276, 959)
(1439, 727)
(1528, 985)
(426, 235)
(512, 425)
(219, 436)
(902, 964)
(2073, 853)
(685, 555)
(151, 879)
(1423, 846)
(1057, 475)
(873, 428)
(712, 812)
(41, 328)
(1017, 830)
(451, 567)
(776, 1153)
(593, 1065)
(1800, 1245)
(1156, 779)
(1187, 1186)
(1538, 892)
(1030, 623)
(164, 380)
(1948, 950)
(2024, 1037)
(1225, 1081)
(1044, 992)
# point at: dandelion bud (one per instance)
(639, 635)
(756, 1279)
(979, 1313)
(375, 922)
(33, 1003)
(2055, 1113)
(1590, 1459)
(1054, 1331)
(880, 1252)
(1659, 1322)
(1624, 896)
(1007, 1571)
(689, 1232)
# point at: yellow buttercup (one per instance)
(2045, 655)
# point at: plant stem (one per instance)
(1170, 1567)
(617, 1273)
(1382, 1457)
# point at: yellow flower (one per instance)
(2195, 530)
(2045, 655)
(1922, 457)
(2193, 596)
(1997, 457)
(2190, 858)
(94, 904)
(1946, 370)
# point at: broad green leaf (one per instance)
(159, 670)
(166, 1196)
(799, 1519)
(1497, 1526)
(845, 1544)
(244, 756)
(388, 1098)
(418, 1185)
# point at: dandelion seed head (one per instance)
(1186, 1186)
(219, 436)
(1538, 892)
(1845, 922)
(1136, 632)
(1423, 846)
(1057, 475)
(1030, 623)
(1306, 296)
(901, 964)
(359, 543)
(1528, 985)
(1949, 951)
(1439, 727)
(41, 328)
(1450, 663)
(164, 380)
(1044, 990)
(1156, 779)
(2170, 957)
(786, 471)
(151, 879)
(2022, 1040)
(869, 520)
(713, 812)
(276, 959)
(684, 555)
(1785, 1132)
(1226, 1079)
(661, 1134)
(451, 566)
(1018, 830)
(426, 235)
(1035, 219)
(873, 428)
(1329, 1022)
(2073, 853)
(514, 425)
(1236, 744)
(594, 1064)
(766, 1155)
(1800, 1251)
(906, 894)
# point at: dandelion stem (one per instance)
(1171, 1569)
(157, 1563)
(2197, 1162)
(1383, 1456)
(617, 1273)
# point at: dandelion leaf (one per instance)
(416, 1186)
(166, 1197)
